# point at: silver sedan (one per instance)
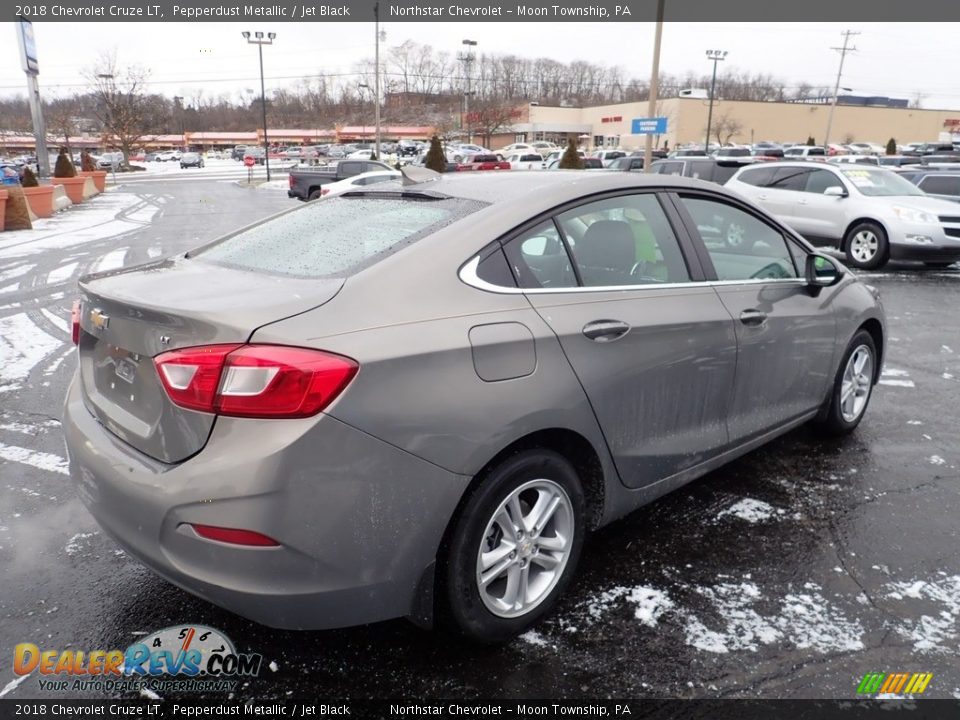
(423, 395)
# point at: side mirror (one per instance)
(835, 191)
(822, 271)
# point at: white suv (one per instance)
(870, 213)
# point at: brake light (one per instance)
(290, 181)
(324, 191)
(75, 322)
(259, 381)
(234, 536)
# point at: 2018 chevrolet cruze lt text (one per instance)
(423, 395)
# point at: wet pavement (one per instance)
(790, 573)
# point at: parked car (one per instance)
(364, 154)
(717, 170)
(687, 152)
(483, 162)
(150, 157)
(557, 154)
(357, 182)
(855, 160)
(110, 160)
(307, 183)
(804, 151)
(512, 148)
(168, 156)
(589, 163)
(767, 149)
(418, 397)
(525, 161)
(630, 163)
(870, 213)
(238, 152)
(728, 152)
(898, 161)
(460, 152)
(944, 184)
(191, 159)
(544, 147)
(865, 148)
(606, 156)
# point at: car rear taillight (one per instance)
(258, 381)
(324, 191)
(290, 181)
(234, 536)
(75, 322)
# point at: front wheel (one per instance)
(852, 386)
(515, 546)
(866, 246)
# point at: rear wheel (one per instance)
(852, 386)
(866, 246)
(315, 195)
(515, 546)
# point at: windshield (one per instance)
(335, 237)
(879, 183)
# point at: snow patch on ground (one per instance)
(937, 460)
(12, 685)
(22, 346)
(534, 638)
(112, 260)
(61, 274)
(938, 631)
(752, 511)
(894, 377)
(35, 458)
(78, 543)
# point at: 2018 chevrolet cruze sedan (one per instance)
(870, 213)
(423, 395)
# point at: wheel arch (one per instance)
(571, 445)
(875, 328)
(853, 223)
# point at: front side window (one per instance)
(622, 241)
(741, 246)
(819, 180)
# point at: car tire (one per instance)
(528, 565)
(866, 246)
(315, 195)
(852, 387)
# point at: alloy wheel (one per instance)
(864, 246)
(856, 383)
(525, 548)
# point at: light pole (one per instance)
(716, 56)
(847, 34)
(360, 88)
(376, 79)
(654, 88)
(178, 101)
(467, 58)
(259, 41)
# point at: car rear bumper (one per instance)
(358, 521)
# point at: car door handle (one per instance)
(753, 317)
(606, 330)
(762, 196)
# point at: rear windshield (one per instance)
(335, 237)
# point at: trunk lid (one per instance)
(130, 316)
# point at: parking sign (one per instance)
(648, 126)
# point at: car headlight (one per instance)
(914, 216)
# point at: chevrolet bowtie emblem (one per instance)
(99, 320)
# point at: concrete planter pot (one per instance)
(73, 186)
(3, 207)
(99, 178)
(40, 199)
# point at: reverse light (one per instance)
(257, 381)
(75, 321)
(234, 536)
(913, 215)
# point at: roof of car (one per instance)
(551, 188)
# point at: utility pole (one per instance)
(376, 81)
(847, 34)
(467, 58)
(716, 56)
(654, 87)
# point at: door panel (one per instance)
(785, 334)
(661, 390)
(818, 215)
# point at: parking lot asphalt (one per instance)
(790, 573)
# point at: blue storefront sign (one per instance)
(648, 126)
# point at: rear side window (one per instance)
(759, 177)
(789, 178)
(668, 168)
(941, 184)
(336, 237)
(539, 259)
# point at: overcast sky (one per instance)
(896, 59)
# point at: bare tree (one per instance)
(726, 127)
(122, 104)
(61, 118)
